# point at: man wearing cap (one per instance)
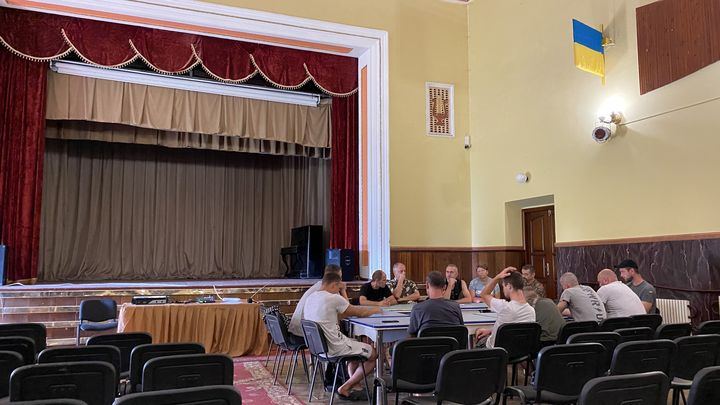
(631, 275)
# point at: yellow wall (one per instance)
(532, 110)
(429, 177)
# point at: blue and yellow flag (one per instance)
(589, 52)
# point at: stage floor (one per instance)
(170, 284)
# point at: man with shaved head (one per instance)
(582, 301)
(618, 298)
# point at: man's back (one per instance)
(295, 326)
(584, 303)
(434, 312)
(323, 307)
(620, 300)
(509, 312)
(549, 318)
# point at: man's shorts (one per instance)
(355, 348)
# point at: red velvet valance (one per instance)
(45, 37)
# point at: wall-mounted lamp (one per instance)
(522, 178)
(606, 126)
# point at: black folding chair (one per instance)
(97, 315)
(643, 356)
(638, 389)
(279, 334)
(215, 395)
(34, 331)
(143, 353)
(317, 344)
(57, 401)
(9, 361)
(610, 324)
(705, 388)
(652, 321)
(609, 340)
(126, 342)
(561, 372)
(415, 365)
(108, 354)
(522, 342)
(693, 354)
(672, 331)
(486, 368)
(635, 334)
(571, 328)
(186, 371)
(709, 327)
(458, 332)
(91, 381)
(21, 345)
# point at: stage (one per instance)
(56, 304)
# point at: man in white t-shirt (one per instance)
(325, 307)
(618, 298)
(514, 311)
(295, 328)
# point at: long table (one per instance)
(391, 325)
(234, 329)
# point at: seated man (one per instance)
(457, 288)
(514, 311)
(478, 283)
(404, 290)
(619, 299)
(436, 310)
(581, 300)
(325, 307)
(631, 275)
(528, 273)
(376, 292)
(547, 315)
(295, 328)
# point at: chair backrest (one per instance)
(21, 345)
(695, 353)
(34, 331)
(609, 340)
(277, 330)
(643, 356)
(108, 354)
(213, 395)
(652, 321)
(314, 337)
(93, 382)
(564, 369)
(417, 360)
(126, 342)
(55, 401)
(486, 368)
(98, 310)
(571, 328)
(186, 371)
(635, 334)
(639, 389)
(9, 361)
(709, 327)
(705, 387)
(519, 339)
(672, 331)
(610, 324)
(143, 353)
(458, 332)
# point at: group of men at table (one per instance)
(522, 300)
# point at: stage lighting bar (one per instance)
(186, 83)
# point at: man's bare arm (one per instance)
(361, 312)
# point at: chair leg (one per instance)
(338, 365)
(367, 387)
(305, 366)
(527, 371)
(290, 368)
(77, 336)
(277, 353)
(283, 357)
(292, 372)
(513, 379)
(312, 382)
(682, 394)
(267, 358)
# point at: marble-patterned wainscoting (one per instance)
(679, 269)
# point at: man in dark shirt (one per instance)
(437, 310)
(631, 275)
(376, 292)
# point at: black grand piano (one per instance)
(304, 257)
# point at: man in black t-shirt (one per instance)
(376, 292)
(437, 310)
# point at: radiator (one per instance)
(674, 311)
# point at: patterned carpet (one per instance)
(254, 382)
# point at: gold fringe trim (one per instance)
(343, 95)
(157, 69)
(218, 78)
(33, 58)
(87, 60)
(24, 280)
(278, 85)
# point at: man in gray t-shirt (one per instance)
(631, 275)
(436, 311)
(582, 301)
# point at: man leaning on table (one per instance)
(436, 310)
(403, 290)
(376, 292)
(514, 311)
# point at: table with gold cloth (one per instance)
(232, 329)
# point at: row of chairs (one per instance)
(650, 321)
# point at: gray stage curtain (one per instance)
(134, 212)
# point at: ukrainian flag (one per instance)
(589, 52)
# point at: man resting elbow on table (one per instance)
(376, 292)
(436, 310)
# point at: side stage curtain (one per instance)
(344, 217)
(22, 143)
(134, 212)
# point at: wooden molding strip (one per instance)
(457, 249)
(644, 239)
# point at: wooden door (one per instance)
(539, 228)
